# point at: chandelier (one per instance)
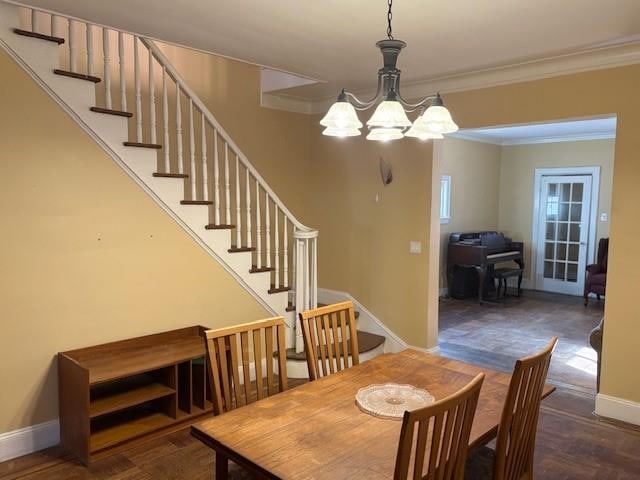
(389, 120)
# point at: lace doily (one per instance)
(390, 400)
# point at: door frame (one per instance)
(594, 171)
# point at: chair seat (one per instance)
(479, 464)
(598, 279)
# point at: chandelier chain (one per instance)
(389, 18)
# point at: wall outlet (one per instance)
(604, 217)
(415, 246)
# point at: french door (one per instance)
(563, 232)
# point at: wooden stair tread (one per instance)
(170, 175)
(41, 36)
(213, 226)
(142, 145)
(109, 111)
(128, 396)
(79, 76)
(255, 269)
(236, 249)
(196, 202)
(366, 342)
(273, 289)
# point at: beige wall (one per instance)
(88, 257)
(517, 181)
(475, 188)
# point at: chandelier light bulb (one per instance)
(341, 132)
(382, 134)
(437, 118)
(341, 115)
(390, 114)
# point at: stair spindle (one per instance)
(54, 25)
(136, 68)
(179, 130)
(192, 153)
(276, 244)
(205, 168)
(267, 228)
(227, 193)
(107, 70)
(248, 195)
(165, 121)
(238, 211)
(216, 177)
(89, 35)
(123, 78)
(152, 100)
(258, 228)
(285, 260)
(72, 47)
(34, 20)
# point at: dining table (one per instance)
(317, 431)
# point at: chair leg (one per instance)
(598, 296)
(586, 299)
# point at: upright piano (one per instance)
(481, 251)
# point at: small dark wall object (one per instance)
(386, 172)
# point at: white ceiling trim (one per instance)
(594, 59)
(468, 135)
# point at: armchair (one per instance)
(596, 280)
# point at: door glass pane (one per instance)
(562, 232)
(565, 192)
(548, 269)
(573, 252)
(576, 211)
(572, 272)
(551, 231)
(548, 250)
(563, 212)
(576, 193)
(561, 253)
(559, 271)
(574, 235)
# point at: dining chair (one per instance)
(512, 458)
(330, 338)
(442, 438)
(229, 351)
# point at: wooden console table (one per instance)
(113, 394)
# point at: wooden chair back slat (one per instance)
(330, 339)
(227, 356)
(442, 439)
(517, 431)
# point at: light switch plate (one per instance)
(604, 217)
(415, 246)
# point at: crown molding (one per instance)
(582, 61)
(468, 135)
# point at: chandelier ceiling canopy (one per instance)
(389, 120)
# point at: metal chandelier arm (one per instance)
(359, 104)
(422, 104)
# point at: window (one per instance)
(445, 198)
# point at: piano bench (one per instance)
(502, 274)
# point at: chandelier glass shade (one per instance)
(389, 120)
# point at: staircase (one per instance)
(123, 91)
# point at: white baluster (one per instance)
(152, 100)
(258, 228)
(267, 228)
(205, 168)
(165, 121)
(123, 78)
(238, 213)
(216, 177)
(179, 130)
(89, 35)
(313, 274)
(136, 69)
(107, 69)
(54, 25)
(227, 193)
(248, 207)
(72, 47)
(276, 244)
(34, 20)
(285, 233)
(192, 153)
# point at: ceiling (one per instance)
(586, 129)
(333, 40)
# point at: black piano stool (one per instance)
(502, 274)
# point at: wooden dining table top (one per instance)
(317, 431)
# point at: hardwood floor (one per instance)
(496, 335)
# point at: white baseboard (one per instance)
(618, 409)
(29, 439)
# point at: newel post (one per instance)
(306, 277)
